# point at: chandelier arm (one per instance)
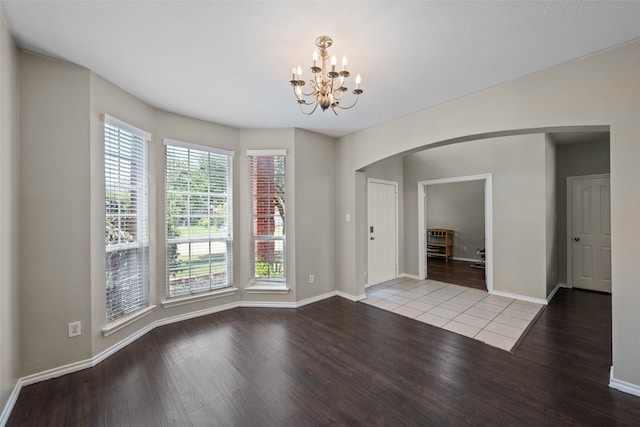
(340, 89)
(301, 96)
(310, 112)
(350, 106)
(301, 99)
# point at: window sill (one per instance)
(218, 293)
(116, 325)
(267, 288)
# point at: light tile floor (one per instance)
(474, 313)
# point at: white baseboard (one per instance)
(353, 298)
(410, 276)
(166, 321)
(347, 296)
(8, 407)
(316, 299)
(553, 293)
(89, 363)
(456, 258)
(540, 301)
(263, 304)
(623, 386)
(194, 314)
(57, 372)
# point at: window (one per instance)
(126, 222)
(198, 218)
(267, 194)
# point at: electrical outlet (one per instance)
(75, 329)
(312, 278)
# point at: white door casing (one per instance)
(488, 222)
(382, 232)
(589, 232)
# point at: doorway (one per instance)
(589, 232)
(382, 211)
(424, 223)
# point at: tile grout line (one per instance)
(448, 321)
(490, 321)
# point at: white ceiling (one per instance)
(229, 62)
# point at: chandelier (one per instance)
(327, 85)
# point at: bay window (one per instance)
(198, 207)
(126, 218)
(268, 219)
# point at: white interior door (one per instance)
(591, 240)
(382, 207)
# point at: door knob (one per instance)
(577, 239)
(373, 238)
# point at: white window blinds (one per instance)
(268, 220)
(198, 218)
(126, 221)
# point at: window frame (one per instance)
(261, 283)
(128, 136)
(227, 239)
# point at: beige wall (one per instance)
(600, 90)
(54, 212)
(350, 272)
(315, 189)
(517, 166)
(9, 218)
(104, 98)
(551, 213)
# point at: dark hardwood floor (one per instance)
(343, 363)
(456, 272)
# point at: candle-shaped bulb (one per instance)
(333, 63)
(299, 70)
(293, 72)
(344, 63)
(315, 58)
(358, 80)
